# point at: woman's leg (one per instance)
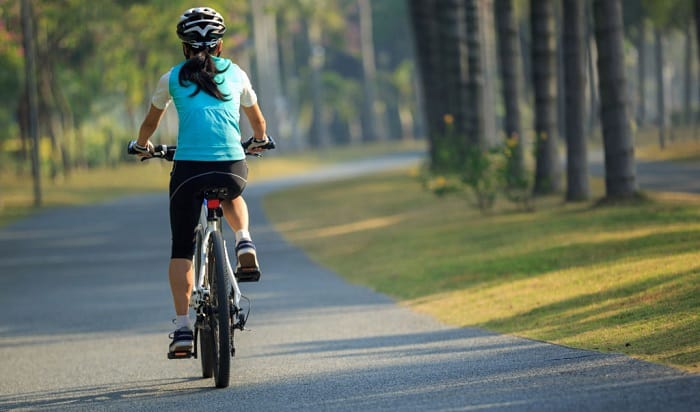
(236, 213)
(181, 274)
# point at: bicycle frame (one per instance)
(209, 222)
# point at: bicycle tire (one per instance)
(220, 322)
(206, 340)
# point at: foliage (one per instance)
(11, 75)
(481, 174)
(485, 173)
(106, 60)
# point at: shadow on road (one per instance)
(97, 397)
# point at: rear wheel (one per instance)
(220, 319)
(206, 340)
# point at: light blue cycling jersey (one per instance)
(208, 127)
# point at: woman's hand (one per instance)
(143, 151)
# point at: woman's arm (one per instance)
(149, 125)
(257, 121)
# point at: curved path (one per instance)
(86, 310)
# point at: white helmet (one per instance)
(201, 27)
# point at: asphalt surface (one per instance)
(87, 310)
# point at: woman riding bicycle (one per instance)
(208, 92)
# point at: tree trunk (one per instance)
(620, 173)
(475, 121)
(31, 91)
(591, 57)
(487, 22)
(268, 68)
(373, 130)
(574, 92)
(426, 40)
(511, 72)
(319, 128)
(641, 74)
(660, 88)
(453, 49)
(696, 10)
(544, 71)
(290, 61)
(688, 75)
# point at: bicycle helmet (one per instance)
(201, 27)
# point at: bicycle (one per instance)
(216, 296)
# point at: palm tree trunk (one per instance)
(591, 57)
(453, 46)
(660, 89)
(544, 64)
(511, 77)
(319, 128)
(620, 173)
(31, 92)
(267, 64)
(475, 121)
(426, 40)
(688, 75)
(574, 93)
(373, 130)
(641, 74)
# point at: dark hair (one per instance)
(200, 69)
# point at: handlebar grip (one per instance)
(267, 146)
(161, 151)
(130, 148)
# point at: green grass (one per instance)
(622, 279)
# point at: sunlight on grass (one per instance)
(629, 307)
(363, 225)
(622, 279)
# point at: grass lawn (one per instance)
(616, 279)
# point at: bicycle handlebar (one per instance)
(167, 152)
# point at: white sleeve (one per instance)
(248, 96)
(161, 98)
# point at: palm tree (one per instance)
(641, 73)
(452, 48)
(475, 123)
(660, 86)
(575, 93)
(511, 77)
(544, 72)
(620, 173)
(267, 61)
(31, 95)
(373, 130)
(426, 40)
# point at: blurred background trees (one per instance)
(467, 76)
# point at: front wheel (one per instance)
(220, 319)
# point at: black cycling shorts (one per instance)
(188, 182)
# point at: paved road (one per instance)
(658, 176)
(86, 311)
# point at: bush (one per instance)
(486, 174)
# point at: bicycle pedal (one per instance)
(180, 355)
(248, 275)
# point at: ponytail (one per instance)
(200, 70)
